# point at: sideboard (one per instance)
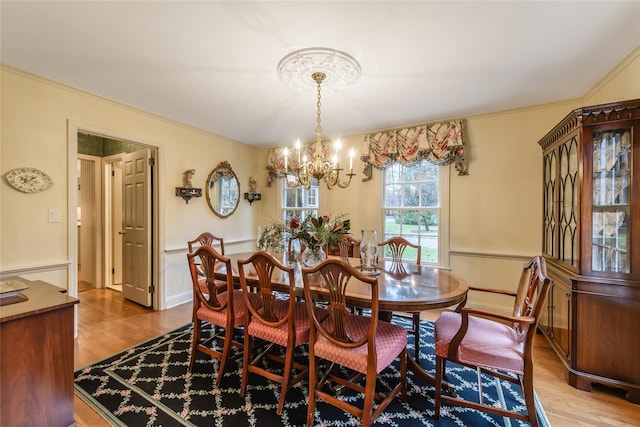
(36, 357)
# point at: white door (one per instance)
(136, 227)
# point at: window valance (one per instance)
(439, 143)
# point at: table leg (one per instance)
(385, 315)
(414, 366)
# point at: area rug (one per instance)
(149, 385)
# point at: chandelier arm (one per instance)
(292, 184)
(345, 184)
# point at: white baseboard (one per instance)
(176, 300)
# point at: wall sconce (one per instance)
(187, 191)
(252, 196)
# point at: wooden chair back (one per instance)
(327, 283)
(397, 245)
(348, 247)
(264, 267)
(207, 239)
(203, 264)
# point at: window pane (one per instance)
(411, 196)
(430, 172)
(393, 195)
(430, 249)
(429, 194)
(298, 202)
(410, 227)
(411, 174)
(412, 208)
(393, 173)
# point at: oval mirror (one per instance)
(222, 190)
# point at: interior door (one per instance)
(136, 227)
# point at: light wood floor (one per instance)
(108, 324)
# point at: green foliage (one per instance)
(412, 217)
(314, 231)
(322, 230)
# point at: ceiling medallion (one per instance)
(340, 68)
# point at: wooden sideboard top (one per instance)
(42, 297)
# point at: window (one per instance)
(415, 206)
(299, 202)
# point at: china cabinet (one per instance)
(591, 242)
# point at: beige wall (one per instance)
(495, 210)
(35, 116)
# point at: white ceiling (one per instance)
(212, 64)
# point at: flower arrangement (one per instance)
(315, 232)
(321, 231)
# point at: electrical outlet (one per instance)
(54, 215)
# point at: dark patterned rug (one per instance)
(148, 385)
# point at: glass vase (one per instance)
(313, 255)
(369, 251)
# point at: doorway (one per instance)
(101, 203)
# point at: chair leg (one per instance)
(416, 335)
(369, 392)
(311, 401)
(248, 344)
(403, 373)
(438, 397)
(226, 348)
(194, 343)
(527, 389)
(286, 376)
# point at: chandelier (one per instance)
(334, 68)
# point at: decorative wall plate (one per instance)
(29, 180)
(9, 288)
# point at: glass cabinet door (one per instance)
(611, 191)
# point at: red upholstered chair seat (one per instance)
(504, 350)
(220, 317)
(280, 334)
(390, 341)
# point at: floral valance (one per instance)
(438, 143)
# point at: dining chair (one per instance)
(495, 344)
(279, 320)
(397, 245)
(347, 247)
(363, 344)
(207, 239)
(295, 246)
(223, 307)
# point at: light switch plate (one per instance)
(54, 215)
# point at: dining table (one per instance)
(402, 287)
